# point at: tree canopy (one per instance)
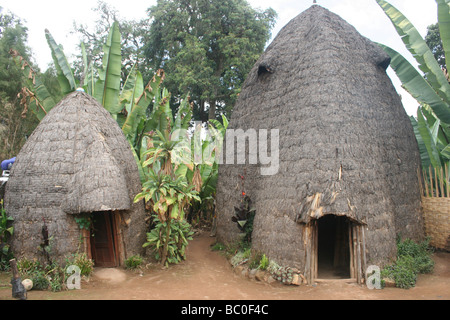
(434, 42)
(13, 129)
(207, 48)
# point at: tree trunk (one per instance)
(212, 110)
(166, 244)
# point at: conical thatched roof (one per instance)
(346, 145)
(76, 161)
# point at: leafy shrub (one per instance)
(6, 231)
(420, 252)
(402, 272)
(244, 216)
(43, 277)
(264, 262)
(412, 259)
(82, 261)
(180, 233)
(40, 280)
(53, 275)
(218, 247)
(134, 262)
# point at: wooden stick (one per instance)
(436, 183)
(307, 242)
(352, 260)
(358, 256)
(446, 180)
(315, 253)
(419, 176)
(364, 249)
(425, 182)
(431, 182)
(14, 270)
(441, 179)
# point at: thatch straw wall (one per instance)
(76, 161)
(347, 146)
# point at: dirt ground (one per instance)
(207, 275)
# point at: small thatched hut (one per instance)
(347, 182)
(76, 167)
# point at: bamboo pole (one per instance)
(441, 180)
(315, 268)
(425, 182)
(352, 260)
(364, 249)
(358, 256)
(431, 182)
(436, 187)
(307, 243)
(446, 180)
(419, 176)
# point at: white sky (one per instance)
(365, 15)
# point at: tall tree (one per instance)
(434, 42)
(13, 128)
(94, 38)
(207, 48)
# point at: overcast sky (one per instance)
(365, 15)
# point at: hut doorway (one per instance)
(333, 250)
(104, 242)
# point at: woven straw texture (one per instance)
(436, 212)
(76, 161)
(346, 144)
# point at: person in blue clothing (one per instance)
(7, 164)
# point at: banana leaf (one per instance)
(40, 102)
(444, 24)
(107, 87)
(429, 137)
(63, 71)
(140, 103)
(419, 49)
(416, 85)
(184, 115)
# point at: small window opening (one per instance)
(385, 63)
(264, 69)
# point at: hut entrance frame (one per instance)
(334, 244)
(103, 243)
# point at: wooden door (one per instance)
(102, 241)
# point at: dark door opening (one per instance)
(333, 247)
(103, 247)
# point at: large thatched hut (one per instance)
(346, 185)
(76, 176)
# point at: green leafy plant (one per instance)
(264, 262)
(50, 276)
(128, 104)
(81, 260)
(134, 262)
(84, 221)
(175, 244)
(431, 90)
(218, 246)
(412, 259)
(6, 231)
(244, 215)
(282, 274)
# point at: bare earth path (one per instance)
(207, 275)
